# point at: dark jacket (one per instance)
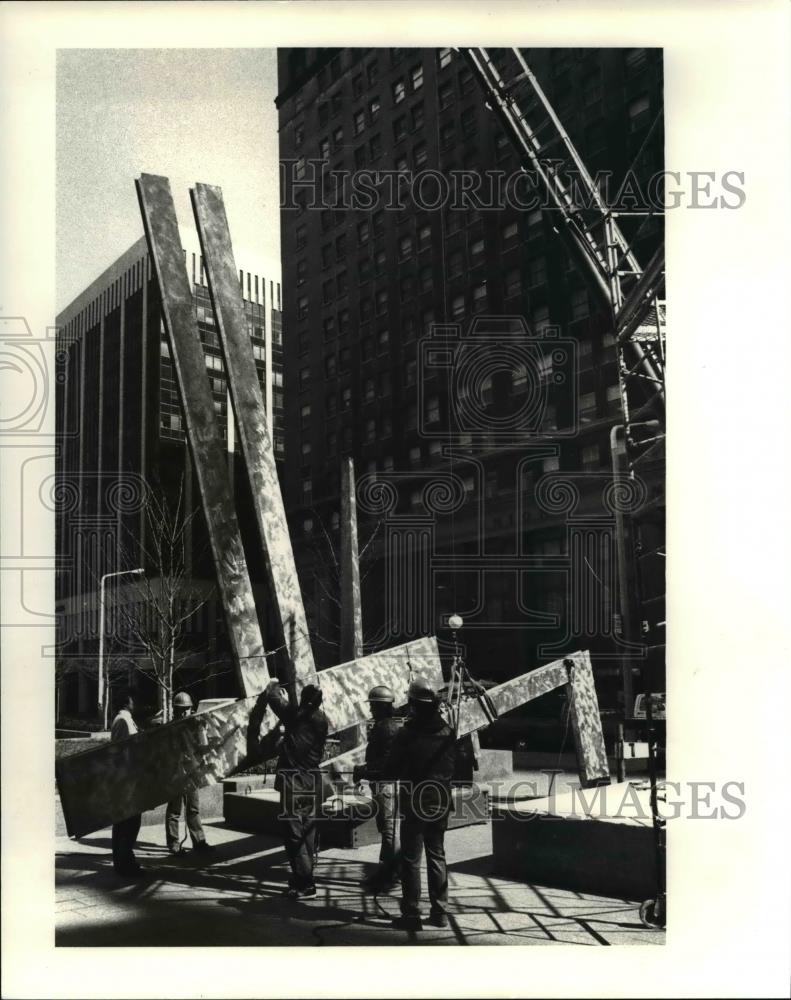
(423, 759)
(306, 735)
(380, 743)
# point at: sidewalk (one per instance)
(236, 899)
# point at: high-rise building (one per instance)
(422, 331)
(122, 433)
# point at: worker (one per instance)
(299, 780)
(182, 707)
(423, 759)
(125, 833)
(380, 742)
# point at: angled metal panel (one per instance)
(117, 780)
(351, 604)
(592, 761)
(254, 436)
(167, 255)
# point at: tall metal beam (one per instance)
(118, 780)
(178, 309)
(254, 434)
(351, 606)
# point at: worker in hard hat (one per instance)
(182, 707)
(299, 780)
(380, 742)
(423, 759)
(125, 833)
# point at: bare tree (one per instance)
(158, 608)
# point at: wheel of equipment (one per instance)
(648, 914)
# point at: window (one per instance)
(373, 108)
(435, 452)
(424, 237)
(366, 309)
(385, 387)
(357, 85)
(332, 443)
(305, 452)
(346, 398)
(399, 91)
(411, 416)
(457, 307)
(551, 464)
(329, 327)
(299, 134)
(343, 321)
(342, 282)
(416, 76)
(455, 264)
(359, 157)
(302, 307)
(326, 255)
(330, 366)
(364, 269)
(427, 320)
(307, 525)
(379, 223)
(510, 233)
(402, 165)
(468, 123)
(587, 407)
(589, 456)
(335, 67)
(327, 291)
(375, 147)
(373, 72)
(399, 128)
(175, 421)
(534, 220)
(387, 463)
(447, 134)
(336, 104)
(370, 431)
(302, 237)
(307, 490)
(432, 410)
(537, 271)
(638, 113)
(383, 340)
(326, 220)
(363, 232)
(415, 456)
(300, 171)
(613, 398)
(579, 304)
(479, 297)
(387, 427)
(407, 288)
(466, 81)
(476, 252)
(380, 262)
(404, 247)
(304, 415)
(446, 95)
(259, 352)
(381, 301)
(410, 373)
(347, 439)
(331, 404)
(345, 359)
(635, 60)
(324, 113)
(214, 363)
(368, 348)
(302, 272)
(359, 122)
(445, 57)
(425, 278)
(513, 282)
(408, 327)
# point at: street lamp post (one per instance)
(102, 692)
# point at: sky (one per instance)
(191, 114)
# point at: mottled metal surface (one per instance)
(351, 606)
(233, 581)
(346, 687)
(512, 694)
(117, 780)
(251, 422)
(586, 723)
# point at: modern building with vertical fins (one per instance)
(122, 433)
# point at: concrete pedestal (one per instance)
(602, 843)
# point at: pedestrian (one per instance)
(423, 760)
(380, 742)
(299, 780)
(182, 707)
(125, 833)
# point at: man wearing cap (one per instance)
(423, 759)
(380, 743)
(182, 707)
(299, 780)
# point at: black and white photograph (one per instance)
(344, 487)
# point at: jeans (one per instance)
(173, 816)
(415, 835)
(385, 800)
(124, 837)
(298, 827)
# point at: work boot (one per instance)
(203, 847)
(407, 922)
(438, 919)
(307, 892)
(178, 849)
